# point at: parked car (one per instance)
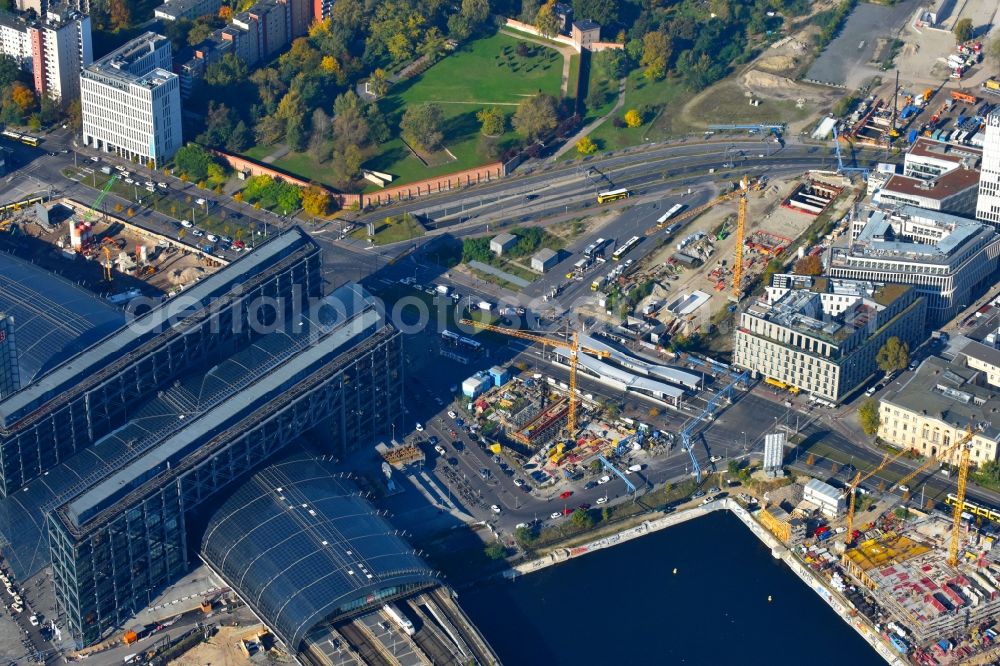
(555, 514)
(420, 427)
(715, 459)
(495, 508)
(604, 479)
(452, 414)
(602, 500)
(565, 494)
(440, 449)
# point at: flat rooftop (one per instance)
(118, 64)
(54, 319)
(884, 236)
(944, 390)
(160, 321)
(942, 150)
(938, 189)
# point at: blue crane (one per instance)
(710, 409)
(840, 159)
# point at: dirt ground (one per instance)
(171, 268)
(921, 59)
(221, 650)
(764, 213)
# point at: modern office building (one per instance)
(988, 206)
(933, 408)
(821, 334)
(175, 10)
(937, 176)
(68, 406)
(131, 101)
(948, 259)
(53, 49)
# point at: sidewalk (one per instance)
(571, 142)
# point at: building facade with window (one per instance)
(53, 49)
(948, 259)
(131, 102)
(988, 204)
(934, 408)
(821, 335)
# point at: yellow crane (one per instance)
(107, 263)
(694, 212)
(963, 477)
(852, 488)
(572, 345)
(741, 224)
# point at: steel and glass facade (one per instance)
(122, 539)
(91, 394)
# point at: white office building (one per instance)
(948, 259)
(132, 103)
(821, 334)
(829, 500)
(988, 204)
(936, 176)
(54, 49)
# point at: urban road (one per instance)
(658, 176)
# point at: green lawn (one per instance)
(483, 73)
(391, 230)
(663, 100)
(259, 152)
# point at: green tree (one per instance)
(378, 83)
(656, 50)
(228, 70)
(605, 514)
(868, 417)
(529, 10)
(536, 116)
(193, 161)
(240, 139)
(476, 12)
(894, 355)
(493, 121)
(546, 20)
(495, 551)
(121, 15)
(582, 519)
(604, 12)
(525, 536)
(733, 467)
(963, 30)
(421, 125)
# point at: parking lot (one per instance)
(846, 61)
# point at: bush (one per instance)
(266, 192)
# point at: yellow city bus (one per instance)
(612, 195)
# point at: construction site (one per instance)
(102, 251)
(683, 285)
(928, 578)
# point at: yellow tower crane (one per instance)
(572, 345)
(852, 488)
(107, 263)
(741, 224)
(963, 477)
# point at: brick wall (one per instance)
(432, 185)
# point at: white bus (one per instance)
(669, 214)
(626, 247)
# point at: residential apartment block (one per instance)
(932, 409)
(936, 176)
(131, 101)
(175, 10)
(988, 205)
(948, 259)
(54, 49)
(259, 33)
(40, 7)
(821, 334)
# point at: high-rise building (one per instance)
(988, 205)
(948, 259)
(131, 101)
(821, 335)
(54, 49)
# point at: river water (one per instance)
(624, 605)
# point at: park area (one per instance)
(497, 71)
